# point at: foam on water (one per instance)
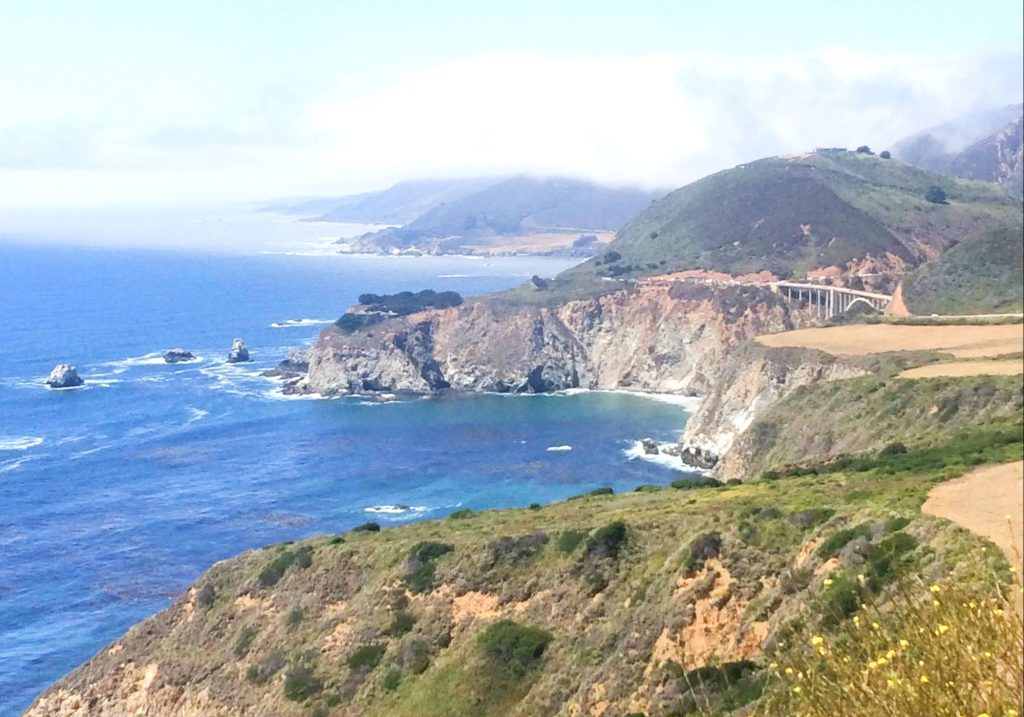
(559, 449)
(293, 323)
(396, 509)
(19, 443)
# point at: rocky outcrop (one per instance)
(178, 356)
(64, 375)
(664, 337)
(295, 365)
(239, 352)
(749, 382)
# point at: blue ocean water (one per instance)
(115, 496)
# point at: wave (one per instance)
(396, 509)
(196, 414)
(636, 452)
(292, 323)
(558, 449)
(19, 443)
(155, 358)
(13, 465)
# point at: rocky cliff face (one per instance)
(662, 337)
(750, 382)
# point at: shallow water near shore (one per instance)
(116, 495)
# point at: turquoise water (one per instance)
(114, 497)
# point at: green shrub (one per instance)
(835, 542)
(893, 449)
(569, 540)
(419, 577)
(244, 641)
(293, 618)
(392, 680)
(647, 488)
(698, 482)
(407, 302)
(593, 493)
(304, 556)
(514, 648)
(349, 323)
(205, 596)
(273, 571)
(535, 506)
(336, 540)
(370, 527)
(703, 548)
(367, 656)
(300, 684)
(430, 550)
(606, 541)
(839, 600)
(807, 519)
(402, 622)
(461, 514)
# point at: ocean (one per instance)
(114, 497)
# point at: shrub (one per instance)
(893, 449)
(349, 323)
(885, 154)
(703, 548)
(370, 527)
(605, 542)
(336, 540)
(273, 571)
(612, 257)
(391, 680)
(514, 648)
(569, 540)
(266, 668)
(807, 519)
(401, 623)
(935, 194)
(647, 488)
(596, 492)
(294, 617)
(419, 577)
(698, 482)
(864, 149)
(461, 514)
(205, 596)
(534, 506)
(300, 684)
(835, 542)
(244, 641)
(945, 649)
(430, 550)
(304, 556)
(367, 656)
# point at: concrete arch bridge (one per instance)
(830, 301)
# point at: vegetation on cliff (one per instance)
(985, 275)
(791, 214)
(658, 602)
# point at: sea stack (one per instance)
(239, 352)
(64, 375)
(178, 355)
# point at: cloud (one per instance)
(654, 121)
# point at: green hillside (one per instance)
(792, 214)
(980, 276)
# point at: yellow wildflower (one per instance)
(789, 670)
(924, 679)
(943, 629)
(935, 589)
(817, 640)
(904, 643)
(827, 582)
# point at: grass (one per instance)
(945, 649)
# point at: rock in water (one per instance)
(178, 355)
(64, 375)
(650, 447)
(239, 352)
(698, 458)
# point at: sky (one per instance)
(143, 103)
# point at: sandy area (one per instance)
(535, 243)
(988, 501)
(962, 341)
(1009, 367)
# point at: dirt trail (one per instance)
(1008, 367)
(981, 501)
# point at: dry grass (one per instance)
(956, 369)
(862, 339)
(534, 243)
(988, 501)
(945, 650)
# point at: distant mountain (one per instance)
(984, 145)
(794, 215)
(516, 208)
(399, 204)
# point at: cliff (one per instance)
(648, 336)
(661, 602)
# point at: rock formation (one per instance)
(178, 355)
(239, 352)
(666, 337)
(64, 375)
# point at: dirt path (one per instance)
(981, 501)
(1008, 367)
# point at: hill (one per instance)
(684, 600)
(521, 206)
(982, 145)
(398, 204)
(974, 277)
(792, 215)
